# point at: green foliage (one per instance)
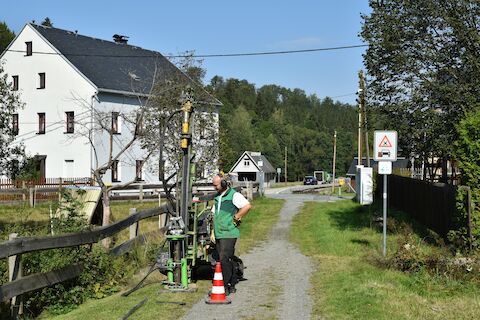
(70, 217)
(6, 36)
(101, 277)
(271, 118)
(47, 22)
(25, 170)
(424, 72)
(467, 152)
(10, 155)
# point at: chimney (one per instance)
(118, 38)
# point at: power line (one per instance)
(219, 55)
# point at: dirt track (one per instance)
(278, 276)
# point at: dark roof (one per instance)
(256, 157)
(114, 66)
(266, 167)
(400, 163)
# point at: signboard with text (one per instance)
(385, 146)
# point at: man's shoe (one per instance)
(232, 289)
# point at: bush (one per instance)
(467, 152)
(102, 274)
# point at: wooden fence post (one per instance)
(161, 217)
(60, 183)
(14, 273)
(469, 217)
(134, 227)
(24, 196)
(140, 195)
(30, 193)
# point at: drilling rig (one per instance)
(189, 222)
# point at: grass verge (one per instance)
(339, 239)
(255, 228)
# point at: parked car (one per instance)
(309, 180)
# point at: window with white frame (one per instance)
(15, 124)
(28, 48)
(139, 170)
(70, 120)
(41, 80)
(115, 171)
(41, 123)
(115, 123)
(15, 83)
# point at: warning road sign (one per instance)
(385, 146)
(385, 143)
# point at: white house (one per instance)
(64, 79)
(253, 166)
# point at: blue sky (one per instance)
(217, 27)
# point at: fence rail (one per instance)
(14, 248)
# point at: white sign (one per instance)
(385, 146)
(385, 167)
(279, 170)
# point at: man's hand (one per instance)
(236, 221)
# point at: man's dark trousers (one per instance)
(226, 250)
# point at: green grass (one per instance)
(286, 184)
(339, 238)
(257, 224)
(255, 228)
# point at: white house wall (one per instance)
(125, 106)
(65, 90)
(243, 167)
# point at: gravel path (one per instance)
(278, 276)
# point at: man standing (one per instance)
(229, 209)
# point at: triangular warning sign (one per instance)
(385, 143)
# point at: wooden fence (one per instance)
(15, 247)
(432, 204)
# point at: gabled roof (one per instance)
(400, 163)
(112, 66)
(256, 157)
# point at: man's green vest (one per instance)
(223, 224)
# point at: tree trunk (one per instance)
(106, 216)
(444, 170)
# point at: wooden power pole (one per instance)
(363, 117)
(334, 158)
(286, 166)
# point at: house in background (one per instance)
(64, 79)
(253, 166)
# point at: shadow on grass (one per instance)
(352, 218)
(360, 217)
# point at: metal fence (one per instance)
(431, 204)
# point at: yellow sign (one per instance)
(341, 182)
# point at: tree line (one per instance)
(271, 118)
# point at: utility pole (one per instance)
(363, 115)
(334, 157)
(286, 166)
(359, 101)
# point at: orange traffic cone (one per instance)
(218, 295)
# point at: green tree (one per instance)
(423, 70)
(6, 36)
(273, 118)
(11, 154)
(467, 152)
(47, 22)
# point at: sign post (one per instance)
(385, 152)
